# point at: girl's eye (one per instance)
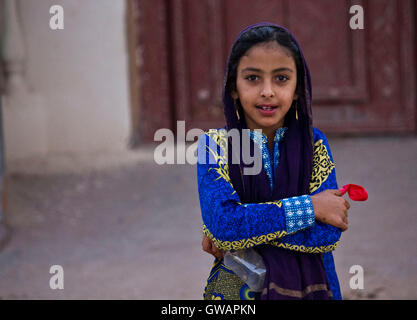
(282, 78)
(252, 78)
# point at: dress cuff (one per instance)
(299, 213)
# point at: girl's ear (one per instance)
(234, 95)
(295, 96)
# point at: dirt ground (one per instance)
(123, 227)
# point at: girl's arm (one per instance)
(228, 222)
(320, 237)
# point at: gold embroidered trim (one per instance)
(322, 166)
(298, 293)
(220, 138)
(244, 243)
(278, 203)
(305, 249)
(265, 239)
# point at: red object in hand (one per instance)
(355, 192)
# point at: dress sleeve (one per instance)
(320, 237)
(228, 222)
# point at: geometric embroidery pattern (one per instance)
(298, 212)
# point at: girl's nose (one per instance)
(267, 91)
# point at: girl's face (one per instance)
(266, 81)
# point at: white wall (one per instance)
(81, 75)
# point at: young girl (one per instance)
(292, 212)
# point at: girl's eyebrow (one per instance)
(261, 71)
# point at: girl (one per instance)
(292, 212)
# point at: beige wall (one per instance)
(78, 81)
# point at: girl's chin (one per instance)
(270, 124)
(265, 123)
(266, 128)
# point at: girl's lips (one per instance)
(266, 110)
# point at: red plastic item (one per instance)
(355, 192)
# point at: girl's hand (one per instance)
(208, 246)
(331, 208)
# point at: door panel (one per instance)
(335, 54)
(363, 80)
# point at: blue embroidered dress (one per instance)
(286, 223)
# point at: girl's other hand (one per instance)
(331, 208)
(208, 246)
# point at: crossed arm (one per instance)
(301, 223)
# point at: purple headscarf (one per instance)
(291, 270)
(296, 150)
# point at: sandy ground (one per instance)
(123, 227)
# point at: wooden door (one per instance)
(363, 80)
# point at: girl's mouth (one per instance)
(267, 110)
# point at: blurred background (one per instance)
(80, 106)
